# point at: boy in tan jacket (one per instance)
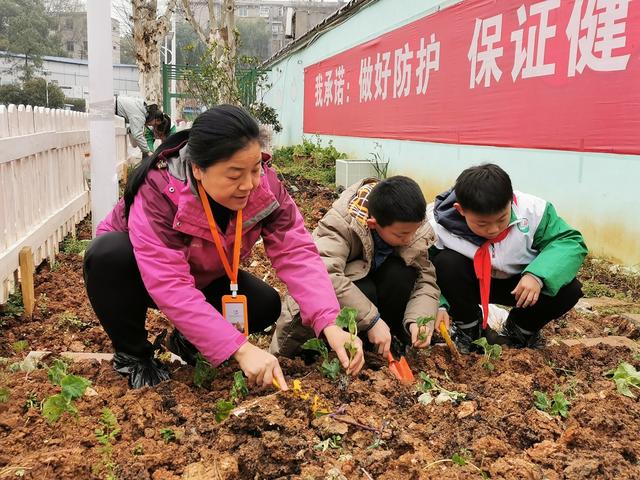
(374, 241)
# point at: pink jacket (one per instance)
(177, 257)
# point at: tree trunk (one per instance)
(225, 37)
(148, 33)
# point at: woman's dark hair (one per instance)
(484, 189)
(153, 113)
(215, 136)
(164, 127)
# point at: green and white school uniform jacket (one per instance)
(539, 242)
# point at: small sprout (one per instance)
(5, 394)
(491, 352)
(422, 323)
(20, 346)
(458, 459)
(329, 368)
(110, 429)
(138, 450)
(334, 441)
(557, 405)
(204, 373)
(430, 387)
(239, 388)
(346, 320)
(31, 402)
(377, 443)
(57, 371)
(168, 435)
(625, 377)
(70, 321)
(73, 387)
(223, 409)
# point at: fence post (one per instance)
(26, 280)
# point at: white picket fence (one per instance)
(44, 165)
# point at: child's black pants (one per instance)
(120, 299)
(459, 285)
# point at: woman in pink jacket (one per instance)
(171, 243)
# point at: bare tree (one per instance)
(220, 37)
(64, 6)
(148, 31)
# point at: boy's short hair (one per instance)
(397, 199)
(484, 189)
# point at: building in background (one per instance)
(285, 19)
(72, 29)
(70, 74)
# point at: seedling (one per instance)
(377, 443)
(238, 391)
(57, 371)
(204, 373)
(422, 323)
(461, 459)
(138, 450)
(557, 405)
(625, 377)
(168, 435)
(31, 402)
(346, 320)
(329, 368)
(106, 435)
(491, 352)
(72, 386)
(20, 346)
(334, 441)
(430, 387)
(70, 321)
(5, 394)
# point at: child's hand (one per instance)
(337, 337)
(380, 336)
(260, 367)
(442, 317)
(427, 331)
(527, 291)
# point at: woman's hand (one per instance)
(337, 337)
(260, 367)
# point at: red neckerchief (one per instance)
(482, 267)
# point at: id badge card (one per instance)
(234, 310)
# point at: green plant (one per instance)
(31, 402)
(43, 304)
(168, 435)
(204, 373)
(329, 368)
(57, 371)
(429, 386)
(491, 352)
(626, 377)
(378, 162)
(20, 346)
(138, 450)
(70, 321)
(72, 388)
(377, 443)
(557, 405)
(14, 306)
(334, 442)
(346, 320)
(72, 245)
(238, 391)
(5, 394)
(106, 434)
(422, 323)
(239, 388)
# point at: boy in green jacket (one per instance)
(499, 246)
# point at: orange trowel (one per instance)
(400, 369)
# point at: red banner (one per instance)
(558, 74)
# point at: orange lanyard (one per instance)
(231, 273)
